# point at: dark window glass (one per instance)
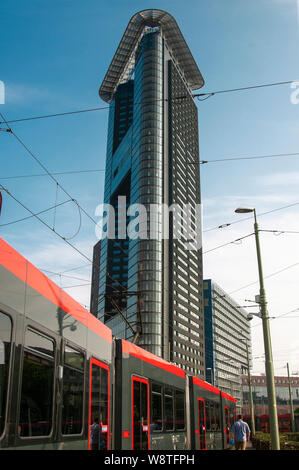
(36, 408)
(73, 390)
(179, 410)
(202, 424)
(140, 416)
(168, 407)
(217, 417)
(157, 418)
(99, 402)
(5, 347)
(213, 416)
(208, 416)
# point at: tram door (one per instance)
(202, 424)
(140, 414)
(227, 426)
(99, 401)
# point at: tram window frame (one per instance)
(213, 424)
(157, 394)
(37, 354)
(174, 391)
(208, 415)
(6, 374)
(182, 392)
(217, 416)
(168, 396)
(68, 366)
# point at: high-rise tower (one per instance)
(150, 287)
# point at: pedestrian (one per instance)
(241, 433)
(95, 434)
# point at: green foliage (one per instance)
(288, 441)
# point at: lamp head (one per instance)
(244, 210)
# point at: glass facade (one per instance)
(226, 326)
(148, 283)
(260, 395)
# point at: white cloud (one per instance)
(280, 179)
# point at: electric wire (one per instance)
(44, 223)
(243, 88)
(102, 170)
(206, 94)
(250, 217)
(33, 215)
(53, 173)
(48, 172)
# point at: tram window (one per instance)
(73, 391)
(217, 417)
(100, 401)
(168, 407)
(157, 419)
(37, 386)
(5, 346)
(208, 415)
(213, 422)
(179, 410)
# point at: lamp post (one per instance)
(250, 389)
(274, 430)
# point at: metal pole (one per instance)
(274, 430)
(250, 393)
(291, 402)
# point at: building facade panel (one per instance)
(150, 286)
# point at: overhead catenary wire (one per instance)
(63, 238)
(53, 173)
(102, 170)
(44, 223)
(205, 94)
(250, 217)
(33, 215)
(47, 171)
(232, 90)
(228, 243)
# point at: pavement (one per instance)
(249, 446)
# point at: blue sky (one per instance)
(55, 56)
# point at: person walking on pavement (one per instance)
(241, 433)
(95, 434)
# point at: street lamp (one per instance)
(274, 430)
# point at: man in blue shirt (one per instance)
(241, 433)
(95, 430)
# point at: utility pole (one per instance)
(291, 401)
(274, 429)
(250, 392)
